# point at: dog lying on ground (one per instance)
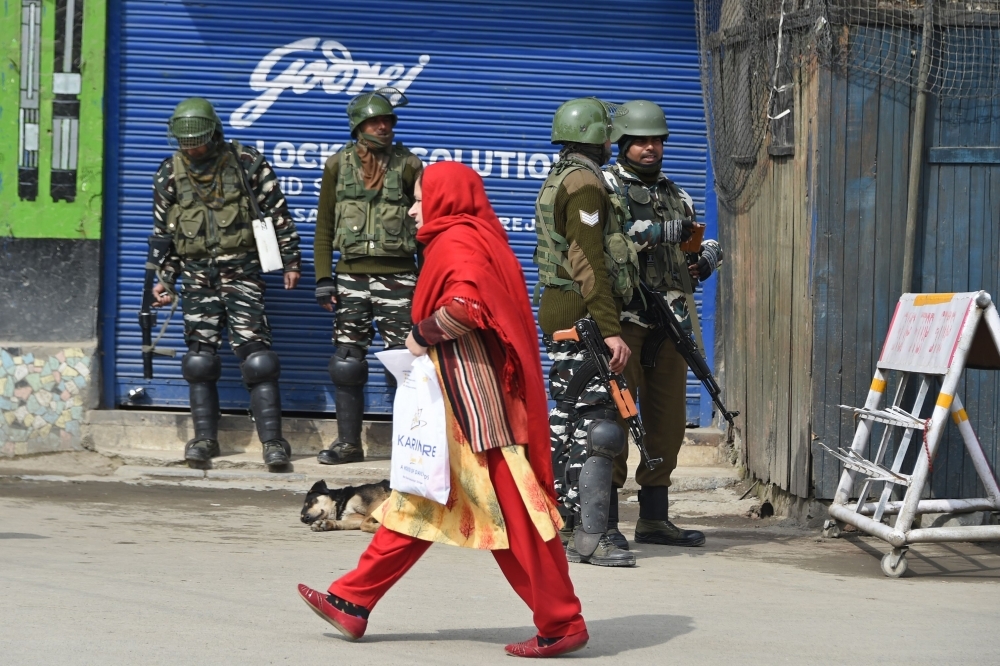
(347, 508)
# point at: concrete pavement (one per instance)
(126, 573)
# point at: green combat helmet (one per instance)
(641, 118)
(193, 124)
(381, 102)
(584, 120)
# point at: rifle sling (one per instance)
(245, 179)
(695, 324)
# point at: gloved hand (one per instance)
(677, 231)
(326, 293)
(711, 257)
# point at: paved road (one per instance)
(111, 573)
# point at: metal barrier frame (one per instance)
(866, 516)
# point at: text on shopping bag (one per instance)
(420, 463)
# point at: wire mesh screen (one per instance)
(752, 52)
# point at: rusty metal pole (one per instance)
(917, 149)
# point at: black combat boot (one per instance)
(261, 371)
(205, 418)
(614, 535)
(654, 524)
(201, 450)
(349, 372)
(265, 402)
(202, 369)
(606, 555)
(277, 453)
(350, 416)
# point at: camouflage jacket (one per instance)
(663, 265)
(264, 184)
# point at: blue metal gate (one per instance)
(483, 80)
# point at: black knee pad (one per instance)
(605, 439)
(261, 366)
(201, 367)
(348, 366)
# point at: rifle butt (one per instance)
(566, 334)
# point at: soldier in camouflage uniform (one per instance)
(588, 267)
(366, 192)
(659, 217)
(199, 200)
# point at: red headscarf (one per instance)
(467, 256)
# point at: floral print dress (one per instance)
(471, 518)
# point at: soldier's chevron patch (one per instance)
(590, 219)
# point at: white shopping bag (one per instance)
(419, 463)
(267, 245)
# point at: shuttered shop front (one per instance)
(483, 80)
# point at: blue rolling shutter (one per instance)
(483, 80)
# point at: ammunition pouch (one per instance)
(551, 253)
(663, 266)
(200, 231)
(372, 223)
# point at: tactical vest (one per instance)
(663, 267)
(373, 224)
(201, 231)
(620, 258)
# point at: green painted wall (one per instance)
(43, 217)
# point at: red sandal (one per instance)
(532, 649)
(352, 626)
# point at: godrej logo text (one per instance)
(312, 62)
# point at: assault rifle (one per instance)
(586, 332)
(159, 249)
(667, 327)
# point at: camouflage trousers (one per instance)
(367, 301)
(219, 295)
(569, 421)
(661, 392)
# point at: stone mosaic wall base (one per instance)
(45, 391)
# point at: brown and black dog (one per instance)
(347, 508)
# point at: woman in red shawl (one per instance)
(473, 317)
